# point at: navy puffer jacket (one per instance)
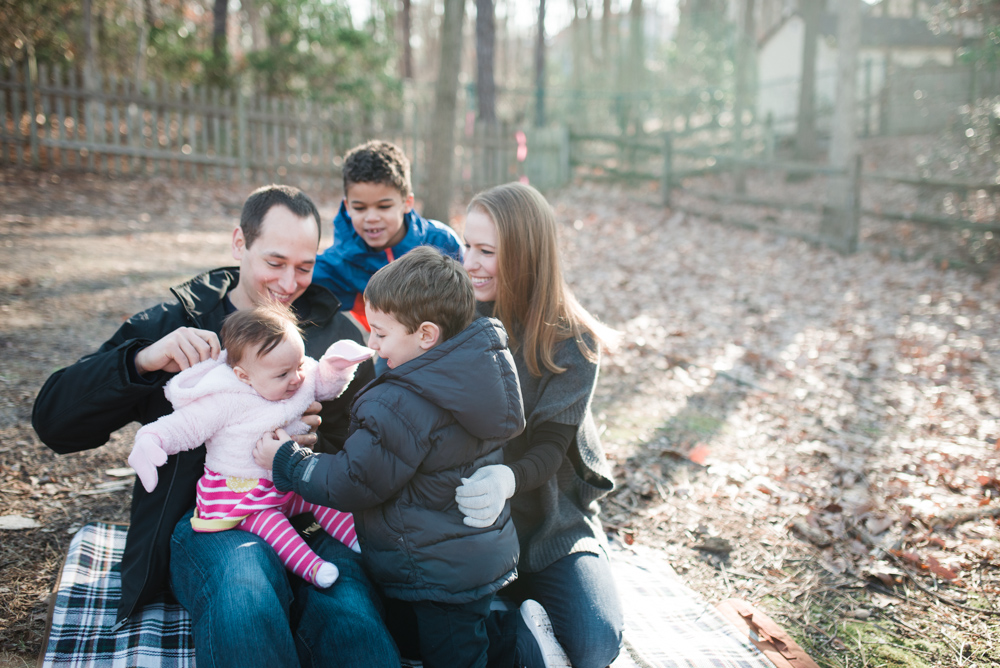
(416, 431)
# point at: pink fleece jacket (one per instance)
(212, 406)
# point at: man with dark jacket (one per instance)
(245, 609)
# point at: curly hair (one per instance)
(378, 161)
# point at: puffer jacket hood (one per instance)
(441, 375)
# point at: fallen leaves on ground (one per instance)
(817, 434)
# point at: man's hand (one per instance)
(268, 446)
(482, 495)
(313, 421)
(180, 349)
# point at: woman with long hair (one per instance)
(555, 471)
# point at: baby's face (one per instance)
(278, 374)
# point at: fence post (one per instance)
(667, 177)
(30, 76)
(769, 136)
(854, 220)
(241, 125)
(565, 166)
(868, 97)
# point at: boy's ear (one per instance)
(408, 203)
(242, 375)
(430, 334)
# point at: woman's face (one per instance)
(481, 254)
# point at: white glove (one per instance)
(481, 497)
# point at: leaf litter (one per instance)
(814, 433)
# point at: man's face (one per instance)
(279, 264)
(377, 211)
(276, 375)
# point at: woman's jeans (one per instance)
(578, 592)
(247, 610)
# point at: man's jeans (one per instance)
(247, 610)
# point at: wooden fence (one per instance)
(672, 158)
(49, 119)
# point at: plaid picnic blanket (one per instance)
(83, 613)
(667, 624)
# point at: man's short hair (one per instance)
(378, 161)
(424, 286)
(260, 202)
(256, 330)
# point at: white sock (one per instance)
(326, 575)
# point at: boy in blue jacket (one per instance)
(448, 402)
(375, 225)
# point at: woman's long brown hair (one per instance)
(533, 301)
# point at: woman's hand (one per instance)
(268, 446)
(482, 495)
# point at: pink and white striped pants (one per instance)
(256, 506)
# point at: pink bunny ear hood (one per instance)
(204, 378)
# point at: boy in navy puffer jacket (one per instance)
(446, 406)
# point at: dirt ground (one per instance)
(814, 433)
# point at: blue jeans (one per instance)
(579, 594)
(247, 610)
(453, 635)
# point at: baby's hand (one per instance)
(346, 353)
(146, 455)
(268, 446)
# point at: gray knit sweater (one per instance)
(560, 516)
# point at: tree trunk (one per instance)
(485, 56)
(407, 21)
(442, 151)
(218, 71)
(806, 147)
(144, 20)
(575, 28)
(744, 71)
(635, 75)
(540, 67)
(606, 34)
(840, 221)
(89, 45)
(258, 37)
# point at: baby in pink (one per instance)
(261, 382)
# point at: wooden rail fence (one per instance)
(50, 119)
(670, 158)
